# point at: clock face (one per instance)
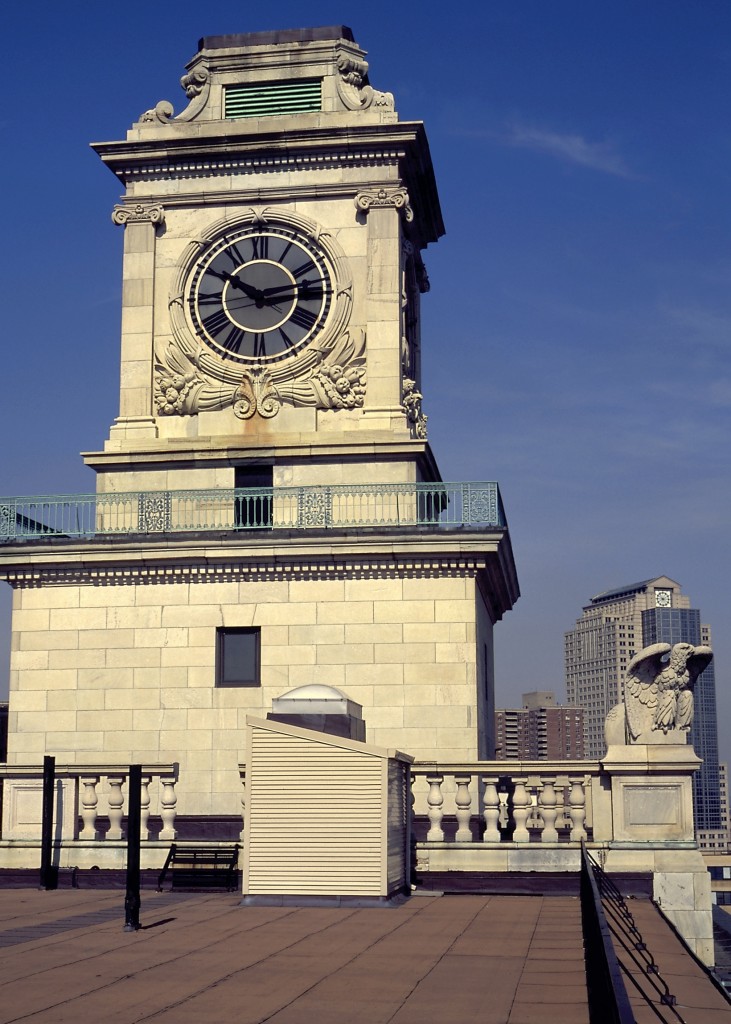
(662, 598)
(260, 294)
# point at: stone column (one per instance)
(141, 222)
(384, 208)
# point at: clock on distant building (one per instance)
(663, 598)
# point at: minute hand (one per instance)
(286, 291)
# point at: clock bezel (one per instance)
(220, 293)
(307, 354)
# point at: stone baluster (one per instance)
(435, 800)
(116, 803)
(89, 802)
(548, 809)
(577, 808)
(491, 814)
(145, 807)
(503, 809)
(521, 807)
(168, 801)
(534, 819)
(463, 801)
(561, 819)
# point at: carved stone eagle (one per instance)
(658, 694)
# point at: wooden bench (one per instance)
(201, 867)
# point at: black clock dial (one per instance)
(260, 295)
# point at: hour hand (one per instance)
(252, 293)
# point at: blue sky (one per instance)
(576, 337)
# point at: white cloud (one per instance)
(600, 156)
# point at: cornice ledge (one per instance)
(260, 567)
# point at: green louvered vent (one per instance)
(267, 98)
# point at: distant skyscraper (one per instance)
(541, 730)
(613, 627)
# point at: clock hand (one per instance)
(293, 290)
(252, 293)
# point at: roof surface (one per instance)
(64, 957)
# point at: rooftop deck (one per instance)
(64, 957)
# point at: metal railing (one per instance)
(608, 999)
(251, 508)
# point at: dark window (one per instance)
(237, 657)
(253, 496)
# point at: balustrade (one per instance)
(89, 782)
(494, 803)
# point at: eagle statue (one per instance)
(658, 695)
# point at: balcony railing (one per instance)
(251, 508)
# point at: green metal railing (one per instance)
(251, 508)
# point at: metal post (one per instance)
(132, 898)
(49, 876)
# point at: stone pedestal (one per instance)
(652, 828)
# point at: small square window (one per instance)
(238, 657)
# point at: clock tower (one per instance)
(274, 231)
(268, 513)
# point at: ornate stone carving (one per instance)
(354, 89)
(422, 278)
(336, 381)
(197, 86)
(139, 214)
(658, 695)
(195, 83)
(411, 401)
(329, 373)
(395, 197)
(256, 394)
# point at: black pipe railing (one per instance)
(608, 999)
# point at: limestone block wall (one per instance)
(125, 671)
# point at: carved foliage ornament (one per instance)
(411, 401)
(353, 88)
(197, 86)
(320, 363)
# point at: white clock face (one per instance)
(662, 598)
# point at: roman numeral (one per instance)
(234, 255)
(260, 247)
(216, 321)
(287, 341)
(284, 252)
(304, 318)
(303, 268)
(209, 300)
(232, 341)
(260, 347)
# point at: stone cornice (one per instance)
(246, 149)
(226, 450)
(315, 554)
